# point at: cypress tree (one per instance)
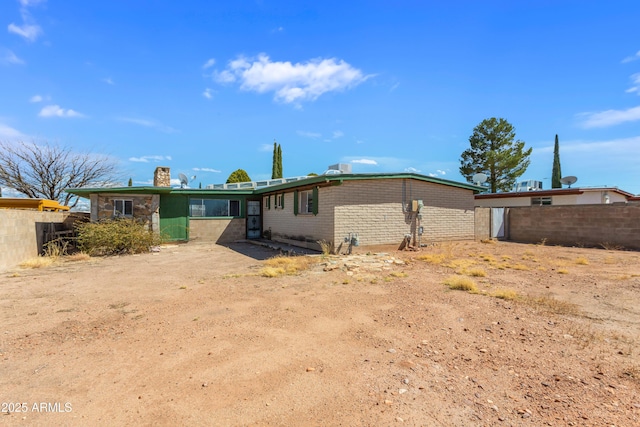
(279, 162)
(556, 175)
(130, 182)
(274, 164)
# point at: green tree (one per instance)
(276, 167)
(239, 175)
(494, 152)
(130, 184)
(556, 174)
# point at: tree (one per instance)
(556, 174)
(276, 167)
(494, 153)
(45, 170)
(239, 175)
(130, 184)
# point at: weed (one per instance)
(432, 258)
(543, 241)
(563, 271)
(66, 310)
(475, 272)
(38, 262)
(582, 261)
(182, 287)
(56, 248)
(461, 284)
(285, 265)
(611, 246)
(521, 267)
(505, 257)
(490, 241)
(326, 247)
(488, 258)
(507, 294)
(118, 305)
(398, 274)
(553, 305)
(79, 256)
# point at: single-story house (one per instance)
(341, 209)
(555, 197)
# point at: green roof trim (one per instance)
(336, 179)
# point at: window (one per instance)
(280, 201)
(539, 201)
(214, 208)
(267, 202)
(306, 202)
(122, 207)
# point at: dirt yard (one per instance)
(197, 335)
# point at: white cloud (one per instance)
(35, 98)
(207, 93)
(291, 83)
(441, 172)
(307, 134)
(148, 123)
(57, 111)
(8, 57)
(210, 63)
(147, 159)
(207, 170)
(28, 31)
(365, 161)
(632, 57)
(433, 175)
(412, 170)
(7, 132)
(610, 117)
(635, 81)
(278, 30)
(108, 81)
(27, 3)
(337, 134)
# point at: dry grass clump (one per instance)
(488, 258)
(521, 267)
(460, 263)
(432, 258)
(582, 261)
(460, 283)
(285, 265)
(490, 241)
(563, 271)
(507, 294)
(398, 274)
(79, 256)
(475, 272)
(553, 305)
(38, 262)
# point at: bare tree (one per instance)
(46, 170)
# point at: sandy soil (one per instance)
(195, 335)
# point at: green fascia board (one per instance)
(339, 178)
(86, 192)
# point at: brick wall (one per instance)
(217, 230)
(18, 238)
(588, 225)
(375, 209)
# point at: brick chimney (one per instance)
(162, 177)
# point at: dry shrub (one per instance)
(520, 267)
(79, 256)
(115, 237)
(326, 247)
(460, 283)
(507, 294)
(563, 271)
(460, 263)
(490, 241)
(398, 274)
(582, 261)
(611, 246)
(488, 258)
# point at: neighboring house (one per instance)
(555, 197)
(341, 209)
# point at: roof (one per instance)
(553, 192)
(335, 179)
(26, 203)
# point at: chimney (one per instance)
(162, 177)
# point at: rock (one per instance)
(310, 369)
(391, 350)
(402, 391)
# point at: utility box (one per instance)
(416, 205)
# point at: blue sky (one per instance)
(205, 87)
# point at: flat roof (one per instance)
(552, 192)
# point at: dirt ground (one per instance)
(197, 335)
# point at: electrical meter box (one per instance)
(416, 205)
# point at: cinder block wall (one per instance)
(482, 223)
(18, 240)
(589, 225)
(217, 230)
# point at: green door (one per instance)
(174, 217)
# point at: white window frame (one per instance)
(541, 201)
(121, 211)
(304, 197)
(279, 201)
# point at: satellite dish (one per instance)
(568, 180)
(183, 180)
(479, 178)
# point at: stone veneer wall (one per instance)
(18, 238)
(482, 223)
(217, 230)
(162, 177)
(145, 207)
